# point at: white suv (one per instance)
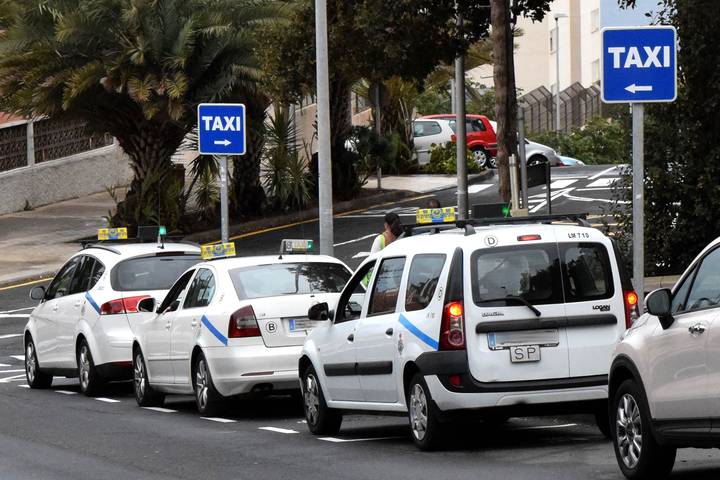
(664, 389)
(495, 321)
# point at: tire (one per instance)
(645, 459)
(145, 395)
(35, 377)
(426, 430)
(481, 157)
(90, 380)
(536, 160)
(208, 400)
(321, 420)
(602, 419)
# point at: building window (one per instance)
(596, 71)
(595, 20)
(553, 40)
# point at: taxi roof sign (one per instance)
(290, 246)
(112, 233)
(435, 215)
(218, 250)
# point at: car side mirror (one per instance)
(37, 293)
(658, 303)
(319, 311)
(146, 305)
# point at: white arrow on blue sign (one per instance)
(221, 129)
(639, 64)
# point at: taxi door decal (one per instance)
(92, 302)
(425, 338)
(223, 339)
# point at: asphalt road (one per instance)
(60, 434)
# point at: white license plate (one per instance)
(301, 324)
(525, 353)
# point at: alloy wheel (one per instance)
(628, 429)
(30, 362)
(140, 380)
(311, 399)
(201, 384)
(84, 364)
(418, 411)
(480, 158)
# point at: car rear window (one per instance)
(288, 279)
(588, 275)
(157, 272)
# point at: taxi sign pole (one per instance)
(224, 215)
(638, 192)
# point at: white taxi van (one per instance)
(232, 326)
(493, 318)
(82, 325)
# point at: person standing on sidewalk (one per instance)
(393, 229)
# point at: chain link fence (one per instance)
(577, 106)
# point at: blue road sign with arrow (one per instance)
(639, 64)
(221, 129)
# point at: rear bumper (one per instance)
(242, 370)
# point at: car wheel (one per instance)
(321, 419)
(90, 380)
(536, 160)
(425, 427)
(638, 453)
(209, 402)
(35, 377)
(602, 419)
(145, 395)
(481, 157)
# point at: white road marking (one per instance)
(479, 188)
(11, 335)
(603, 182)
(361, 255)
(66, 392)
(558, 184)
(24, 385)
(356, 240)
(607, 170)
(277, 430)
(107, 400)
(14, 315)
(18, 357)
(346, 440)
(160, 409)
(542, 427)
(219, 420)
(3, 365)
(11, 371)
(17, 310)
(14, 378)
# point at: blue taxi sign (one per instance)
(435, 215)
(218, 250)
(112, 233)
(221, 129)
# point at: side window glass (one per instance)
(60, 285)
(422, 281)
(705, 291)
(387, 286)
(174, 293)
(82, 277)
(418, 130)
(588, 274)
(201, 290)
(97, 274)
(349, 306)
(680, 295)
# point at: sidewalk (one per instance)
(423, 183)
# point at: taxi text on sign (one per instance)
(221, 129)
(639, 64)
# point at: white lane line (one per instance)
(11, 335)
(542, 427)
(11, 371)
(278, 430)
(219, 420)
(558, 184)
(346, 440)
(356, 240)
(607, 170)
(14, 315)
(3, 365)
(18, 357)
(107, 400)
(17, 310)
(361, 255)
(160, 409)
(479, 188)
(24, 385)
(14, 378)
(66, 392)
(602, 182)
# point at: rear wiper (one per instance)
(516, 300)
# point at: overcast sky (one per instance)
(614, 16)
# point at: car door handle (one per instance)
(194, 323)
(168, 325)
(78, 303)
(697, 329)
(351, 337)
(389, 332)
(55, 307)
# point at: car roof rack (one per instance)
(469, 225)
(86, 244)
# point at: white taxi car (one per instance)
(501, 319)
(81, 328)
(233, 326)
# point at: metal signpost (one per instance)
(639, 65)
(222, 132)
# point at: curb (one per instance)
(28, 279)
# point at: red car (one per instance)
(481, 139)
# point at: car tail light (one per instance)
(243, 324)
(631, 307)
(528, 238)
(452, 330)
(122, 305)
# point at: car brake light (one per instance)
(452, 331)
(631, 307)
(243, 323)
(528, 238)
(122, 305)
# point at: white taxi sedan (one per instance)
(81, 327)
(232, 326)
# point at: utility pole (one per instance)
(638, 203)
(325, 207)
(460, 136)
(224, 215)
(557, 16)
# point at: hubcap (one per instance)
(628, 428)
(201, 384)
(84, 364)
(493, 162)
(418, 412)
(30, 364)
(480, 157)
(139, 377)
(311, 399)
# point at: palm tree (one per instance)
(133, 68)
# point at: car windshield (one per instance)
(151, 273)
(288, 279)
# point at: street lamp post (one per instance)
(557, 16)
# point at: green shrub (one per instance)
(442, 160)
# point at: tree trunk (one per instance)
(505, 95)
(344, 163)
(248, 196)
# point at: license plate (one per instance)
(302, 324)
(525, 353)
